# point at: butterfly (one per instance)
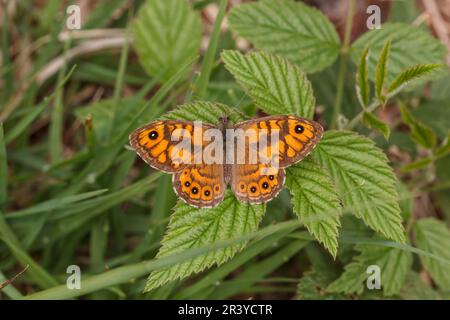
(202, 183)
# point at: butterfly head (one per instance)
(224, 121)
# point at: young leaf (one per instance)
(410, 74)
(364, 180)
(362, 80)
(418, 164)
(381, 71)
(433, 236)
(444, 148)
(315, 202)
(166, 35)
(190, 227)
(277, 86)
(299, 32)
(420, 133)
(373, 122)
(394, 266)
(411, 45)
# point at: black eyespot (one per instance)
(207, 193)
(187, 183)
(242, 186)
(271, 177)
(299, 129)
(253, 189)
(194, 190)
(217, 188)
(265, 185)
(153, 135)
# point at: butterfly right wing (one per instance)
(256, 183)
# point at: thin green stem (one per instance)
(343, 59)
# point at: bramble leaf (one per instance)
(381, 71)
(209, 112)
(315, 202)
(190, 227)
(410, 74)
(299, 32)
(433, 236)
(364, 180)
(420, 133)
(362, 80)
(166, 36)
(373, 122)
(410, 45)
(277, 86)
(394, 266)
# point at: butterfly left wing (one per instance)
(202, 185)
(154, 143)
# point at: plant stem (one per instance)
(345, 50)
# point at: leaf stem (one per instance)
(345, 50)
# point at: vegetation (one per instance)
(72, 192)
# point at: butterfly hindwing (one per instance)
(200, 185)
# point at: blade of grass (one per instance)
(165, 201)
(8, 85)
(57, 116)
(3, 169)
(53, 204)
(210, 280)
(258, 271)
(202, 81)
(120, 75)
(39, 275)
(127, 273)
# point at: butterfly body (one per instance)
(250, 156)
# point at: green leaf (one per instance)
(166, 36)
(418, 164)
(444, 148)
(299, 32)
(190, 227)
(433, 236)
(277, 86)
(420, 133)
(394, 265)
(410, 74)
(381, 71)
(364, 180)
(208, 112)
(315, 202)
(410, 45)
(373, 122)
(362, 80)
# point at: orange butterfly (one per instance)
(201, 182)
